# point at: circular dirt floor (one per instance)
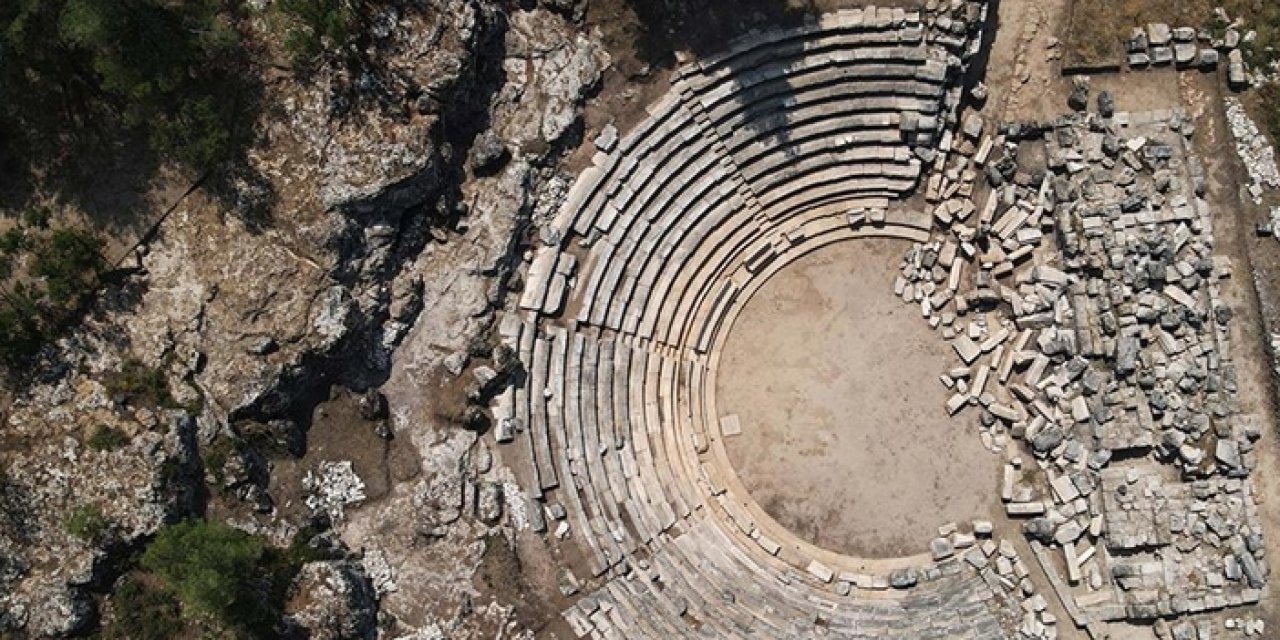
(845, 441)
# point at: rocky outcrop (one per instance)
(390, 207)
(71, 497)
(333, 600)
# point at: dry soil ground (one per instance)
(845, 439)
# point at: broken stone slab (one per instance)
(1184, 54)
(1072, 562)
(1236, 76)
(1079, 98)
(1024, 509)
(1231, 39)
(1227, 452)
(1106, 104)
(608, 138)
(941, 549)
(1159, 34)
(1137, 40)
(904, 578)
(1049, 275)
(1068, 532)
(966, 348)
(1064, 488)
(973, 126)
(1209, 59)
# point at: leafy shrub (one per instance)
(69, 261)
(23, 325)
(140, 612)
(318, 25)
(215, 458)
(68, 66)
(88, 523)
(38, 302)
(213, 568)
(1269, 109)
(107, 439)
(141, 383)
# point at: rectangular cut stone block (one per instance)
(820, 571)
(1025, 508)
(730, 425)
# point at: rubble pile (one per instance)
(1255, 151)
(1072, 269)
(1157, 44)
(332, 487)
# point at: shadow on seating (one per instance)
(703, 28)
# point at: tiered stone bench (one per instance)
(791, 141)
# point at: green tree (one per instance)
(213, 568)
(155, 67)
(22, 331)
(107, 438)
(139, 612)
(69, 262)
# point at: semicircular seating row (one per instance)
(755, 157)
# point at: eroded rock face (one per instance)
(63, 501)
(462, 498)
(550, 69)
(333, 600)
(365, 225)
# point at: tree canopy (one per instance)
(97, 70)
(212, 567)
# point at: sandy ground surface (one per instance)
(844, 437)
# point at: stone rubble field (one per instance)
(1082, 300)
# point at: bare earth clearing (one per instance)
(844, 437)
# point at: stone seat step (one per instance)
(782, 76)
(639, 240)
(851, 194)
(765, 48)
(702, 236)
(839, 76)
(869, 97)
(639, 445)
(586, 360)
(866, 127)
(698, 285)
(854, 196)
(674, 218)
(782, 65)
(665, 459)
(766, 168)
(599, 558)
(674, 248)
(546, 470)
(723, 208)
